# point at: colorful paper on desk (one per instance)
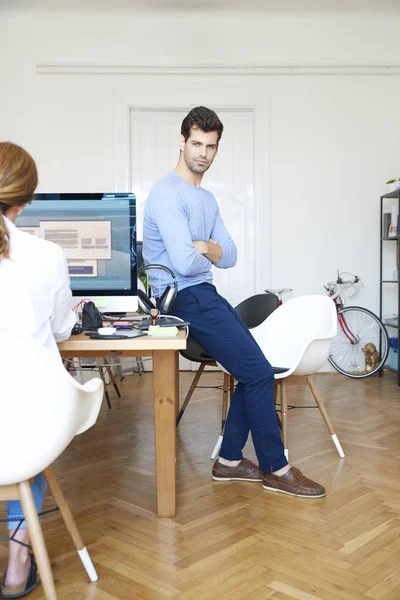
(156, 330)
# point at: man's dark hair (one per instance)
(204, 118)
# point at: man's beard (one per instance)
(196, 168)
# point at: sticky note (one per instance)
(101, 302)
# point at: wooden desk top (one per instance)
(82, 343)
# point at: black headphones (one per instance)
(167, 298)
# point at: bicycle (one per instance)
(361, 346)
(354, 350)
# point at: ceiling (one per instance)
(265, 6)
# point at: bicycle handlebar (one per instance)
(335, 287)
(343, 282)
(340, 281)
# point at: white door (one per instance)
(154, 152)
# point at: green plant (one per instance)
(144, 280)
(393, 180)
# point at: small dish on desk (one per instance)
(107, 330)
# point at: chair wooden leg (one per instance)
(226, 391)
(229, 383)
(106, 394)
(277, 397)
(140, 365)
(284, 417)
(190, 392)
(325, 416)
(70, 523)
(37, 539)
(120, 370)
(111, 375)
(231, 387)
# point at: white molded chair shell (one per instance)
(297, 335)
(42, 407)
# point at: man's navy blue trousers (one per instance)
(216, 326)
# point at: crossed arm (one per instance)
(220, 249)
(189, 257)
(211, 250)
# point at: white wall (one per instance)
(334, 139)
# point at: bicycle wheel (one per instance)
(358, 327)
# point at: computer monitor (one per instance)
(98, 235)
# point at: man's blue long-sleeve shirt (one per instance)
(177, 214)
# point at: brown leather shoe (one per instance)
(245, 471)
(293, 483)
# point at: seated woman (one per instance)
(36, 299)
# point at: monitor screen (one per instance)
(98, 235)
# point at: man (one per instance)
(183, 230)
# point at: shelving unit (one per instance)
(387, 202)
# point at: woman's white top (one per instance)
(35, 294)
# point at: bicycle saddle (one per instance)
(278, 290)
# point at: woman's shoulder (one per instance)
(34, 247)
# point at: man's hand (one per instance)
(210, 250)
(200, 246)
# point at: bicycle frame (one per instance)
(334, 293)
(333, 290)
(342, 321)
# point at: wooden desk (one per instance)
(164, 352)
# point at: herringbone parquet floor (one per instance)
(234, 540)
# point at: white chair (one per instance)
(298, 336)
(42, 408)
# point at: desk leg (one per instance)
(165, 391)
(176, 384)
